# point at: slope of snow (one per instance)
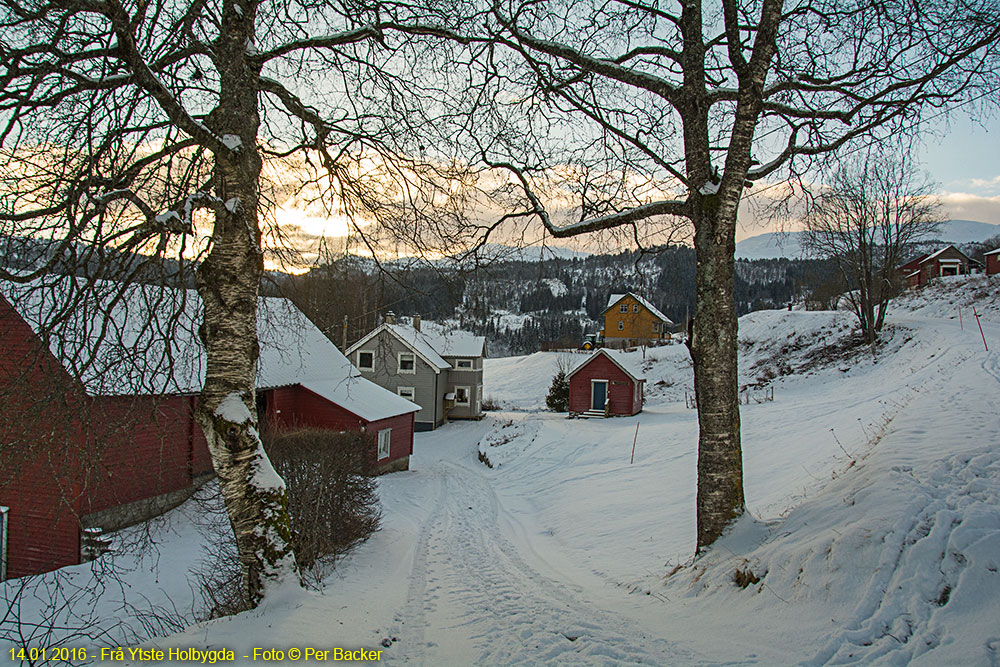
(873, 535)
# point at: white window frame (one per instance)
(411, 390)
(470, 362)
(623, 308)
(399, 363)
(621, 325)
(635, 308)
(3, 542)
(366, 368)
(468, 395)
(384, 443)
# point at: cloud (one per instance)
(967, 206)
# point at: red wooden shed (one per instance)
(114, 441)
(992, 262)
(606, 384)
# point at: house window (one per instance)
(656, 327)
(406, 392)
(635, 308)
(462, 395)
(3, 543)
(463, 363)
(621, 325)
(383, 443)
(407, 363)
(366, 360)
(623, 308)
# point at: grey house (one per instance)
(442, 372)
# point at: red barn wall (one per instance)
(148, 446)
(993, 263)
(621, 388)
(41, 436)
(296, 407)
(69, 454)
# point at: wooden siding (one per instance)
(428, 387)
(296, 407)
(992, 264)
(466, 377)
(638, 324)
(70, 454)
(622, 396)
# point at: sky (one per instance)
(960, 155)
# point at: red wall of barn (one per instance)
(296, 406)
(37, 464)
(993, 264)
(621, 388)
(147, 445)
(74, 454)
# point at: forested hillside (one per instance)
(521, 305)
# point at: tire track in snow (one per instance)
(473, 598)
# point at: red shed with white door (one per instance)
(606, 384)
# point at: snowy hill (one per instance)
(789, 244)
(873, 534)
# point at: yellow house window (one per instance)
(635, 308)
(621, 325)
(623, 308)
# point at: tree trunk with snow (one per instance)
(228, 282)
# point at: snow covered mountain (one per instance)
(789, 244)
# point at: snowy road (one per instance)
(473, 598)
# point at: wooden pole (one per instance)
(960, 325)
(631, 460)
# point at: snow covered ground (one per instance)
(873, 534)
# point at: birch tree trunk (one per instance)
(228, 282)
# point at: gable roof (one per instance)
(618, 358)
(942, 250)
(142, 339)
(991, 252)
(429, 345)
(615, 298)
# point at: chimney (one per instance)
(390, 317)
(416, 322)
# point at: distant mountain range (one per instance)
(775, 245)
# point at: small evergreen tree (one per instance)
(558, 398)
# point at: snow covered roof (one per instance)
(621, 359)
(142, 339)
(432, 346)
(615, 298)
(991, 252)
(935, 254)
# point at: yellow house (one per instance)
(629, 317)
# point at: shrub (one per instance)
(558, 398)
(332, 497)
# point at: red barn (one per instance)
(948, 261)
(97, 428)
(992, 262)
(605, 384)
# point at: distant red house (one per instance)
(94, 450)
(992, 262)
(948, 261)
(605, 384)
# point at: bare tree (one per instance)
(624, 115)
(866, 221)
(142, 130)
